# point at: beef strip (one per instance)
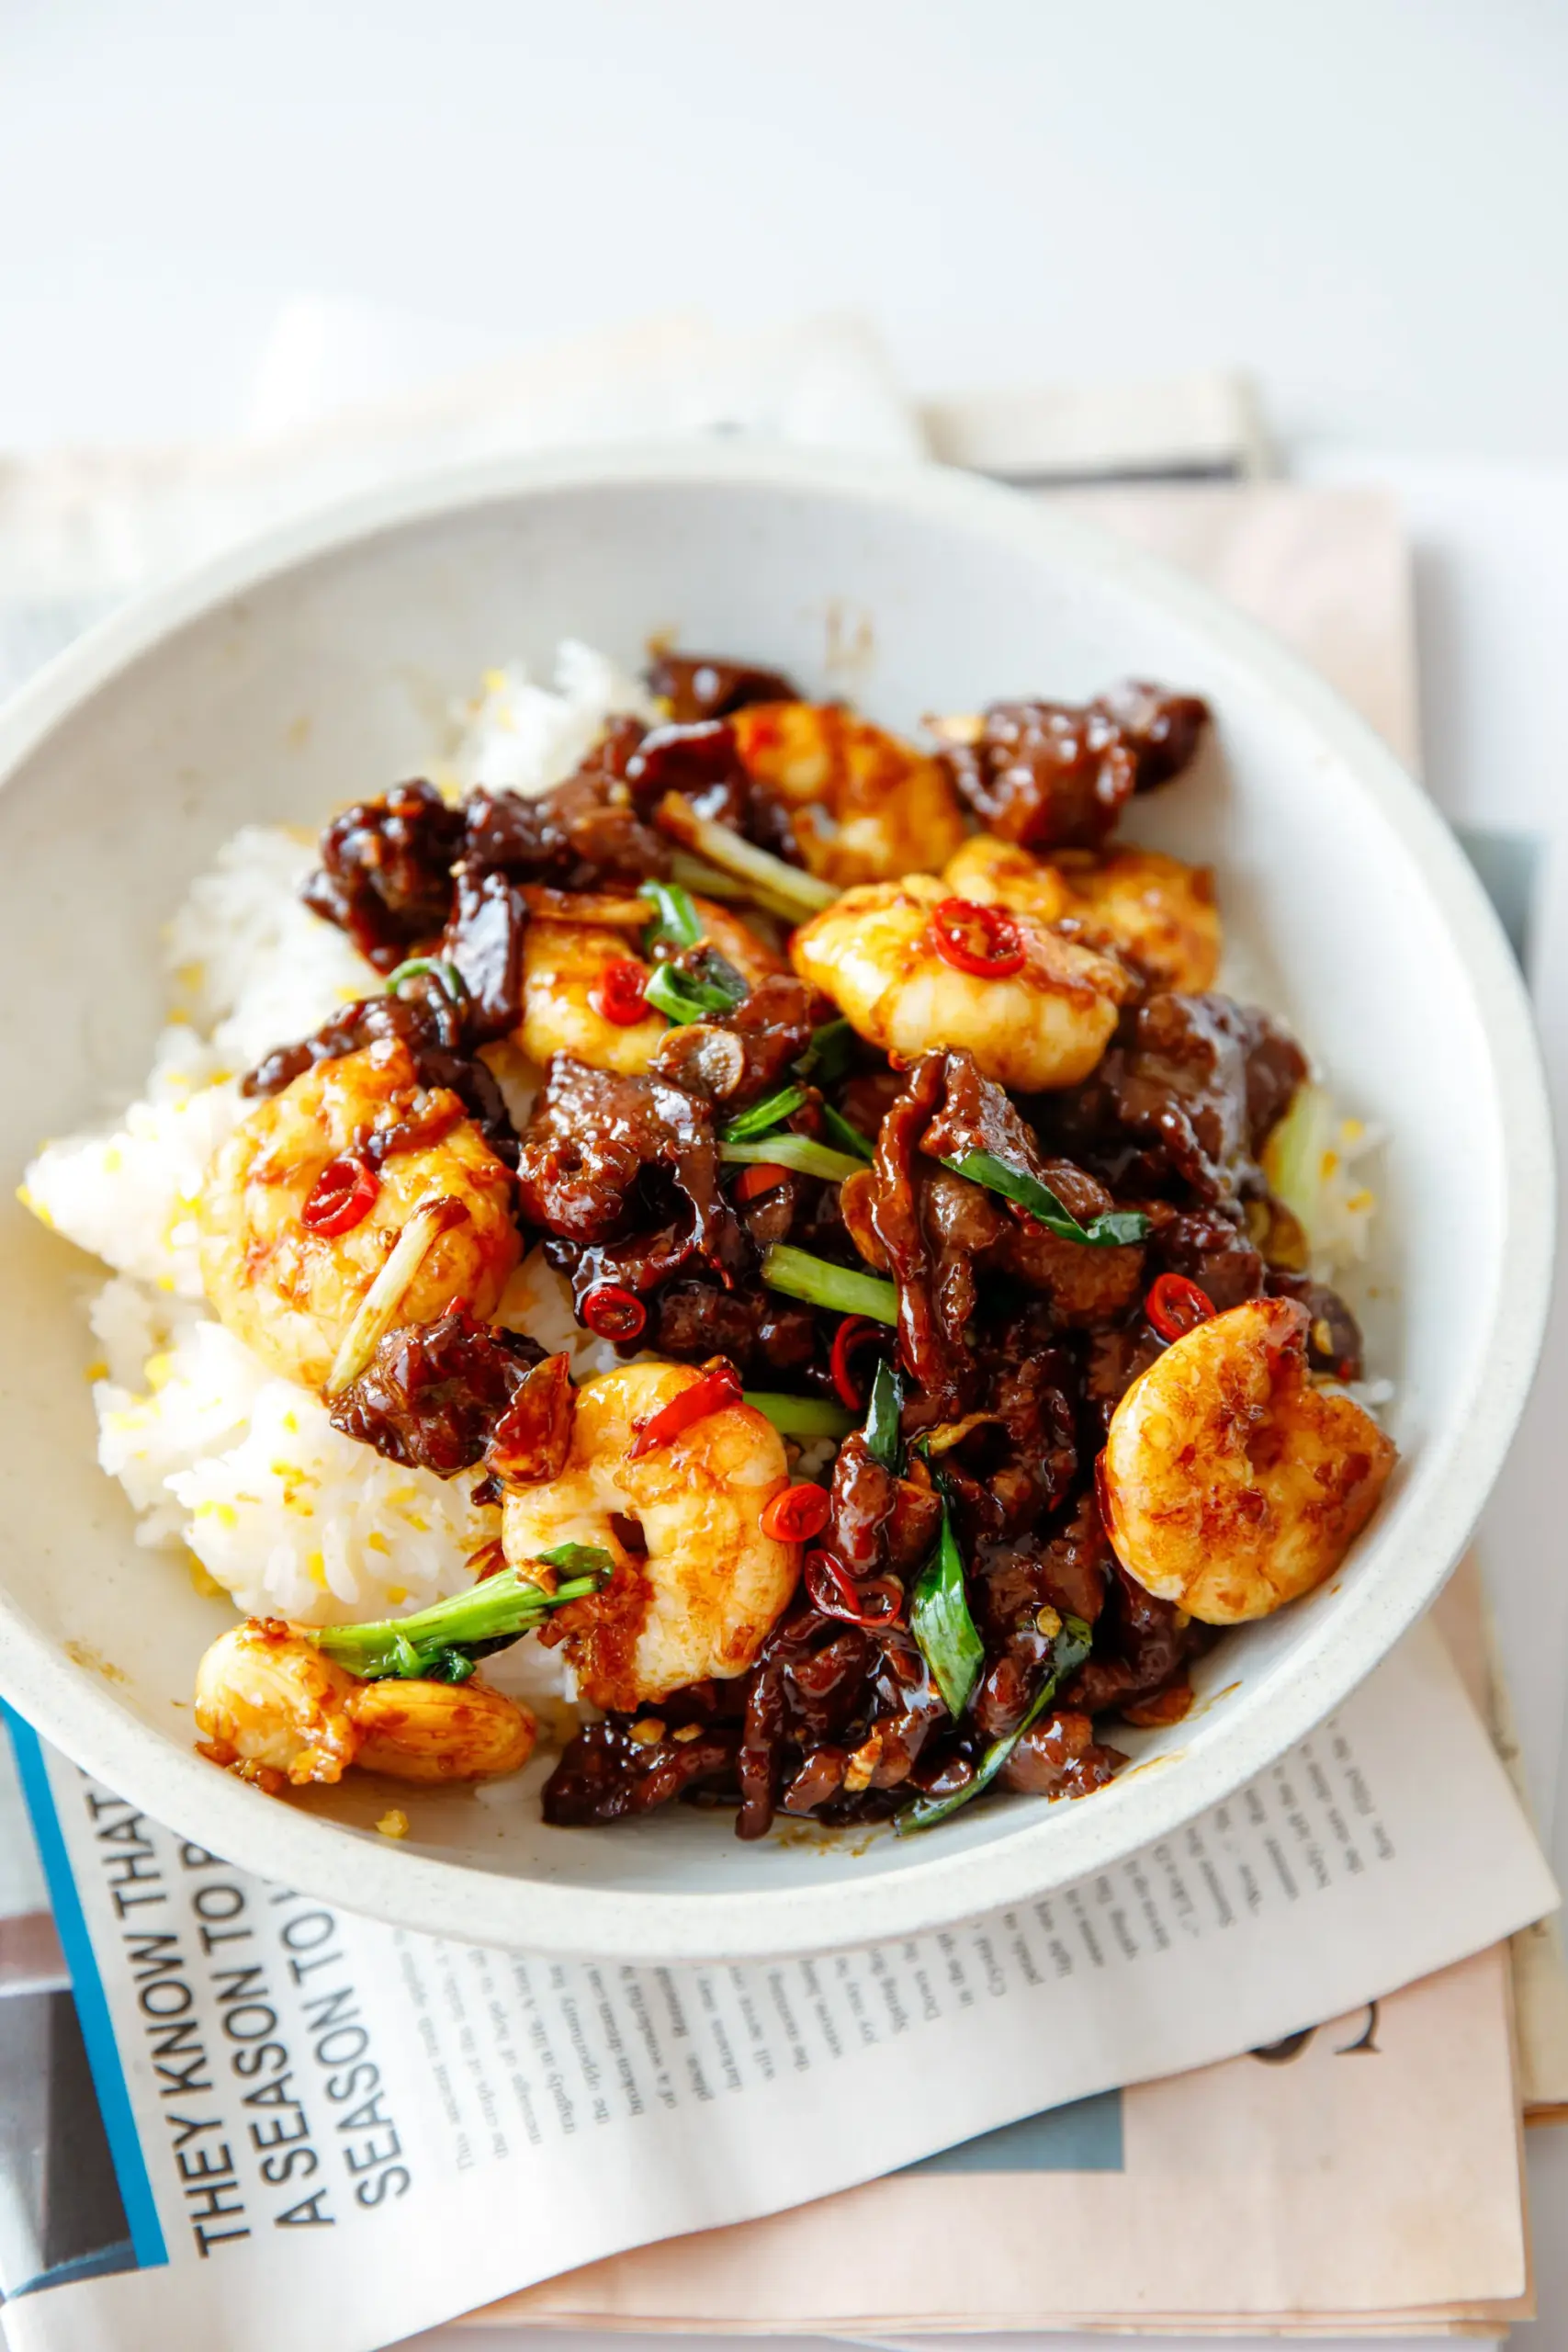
(706, 686)
(1059, 1756)
(738, 1056)
(385, 871)
(1057, 776)
(1185, 1097)
(1086, 1284)
(432, 1393)
(627, 1168)
(483, 940)
(585, 833)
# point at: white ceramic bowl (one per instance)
(320, 665)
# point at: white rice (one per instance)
(216, 1455)
(518, 736)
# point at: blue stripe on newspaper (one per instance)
(91, 2005)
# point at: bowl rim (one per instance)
(1050, 1848)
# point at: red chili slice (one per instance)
(1176, 1306)
(975, 938)
(760, 1177)
(711, 1394)
(852, 1331)
(796, 1514)
(833, 1592)
(614, 1313)
(342, 1196)
(619, 995)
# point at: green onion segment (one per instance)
(802, 1416)
(884, 1436)
(940, 1621)
(803, 1153)
(848, 1138)
(694, 995)
(433, 1644)
(1069, 1651)
(828, 1055)
(676, 921)
(1110, 1230)
(800, 1275)
(771, 1111)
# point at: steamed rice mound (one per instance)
(218, 1457)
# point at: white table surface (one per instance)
(1362, 200)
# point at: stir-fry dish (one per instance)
(761, 1228)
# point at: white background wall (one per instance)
(1365, 199)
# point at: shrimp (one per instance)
(564, 963)
(1151, 907)
(292, 1293)
(270, 1706)
(864, 806)
(1042, 1026)
(697, 1586)
(1229, 1484)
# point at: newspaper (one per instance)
(278, 2078)
(609, 2109)
(1364, 2175)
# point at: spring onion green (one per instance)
(800, 1275)
(683, 996)
(803, 1153)
(442, 1643)
(676, 921)
(884, 1436)
(849, 1139)
(940, 1620)
(801, 1417)
(1110, 1230)
(1069, 1651)
(764, 1116)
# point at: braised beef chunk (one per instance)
(584, 834)
(1058, 1756)
(1212, 1247)
(700, 761)
(1057, 776)
(530, 1441)
(1185, 1097)
(606, 1775)
(703, 686)
(737, 1057)
(934, 1270)
(770, 1339)
(1163, 731)
(1143, 1649)
(428, 1023)
(977, 1114)
(483, 940)
(883, 1521)
(605, 1157)
(386, 872)
(432, 1393)
(1334, 1336)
